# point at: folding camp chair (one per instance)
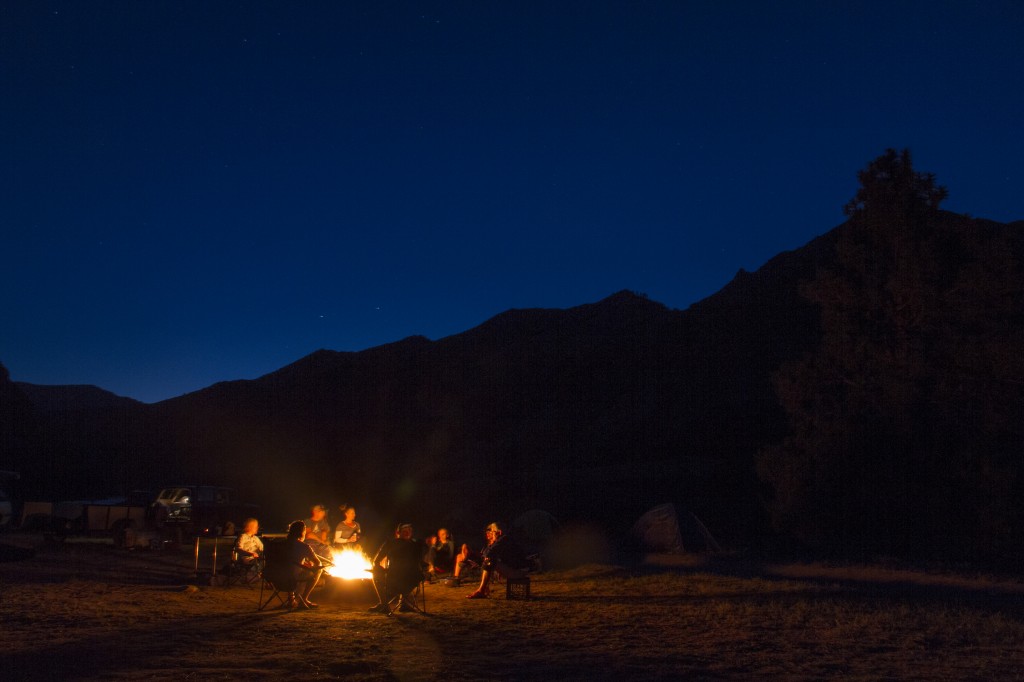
(243, 570)
(517, 582)
(418, 603)
(278, 575)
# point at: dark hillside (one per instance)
(68, 441)
(54, 399)
(594, 413)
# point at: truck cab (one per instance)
(199, 508)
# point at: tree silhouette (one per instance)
(894, 436)
(890, 186)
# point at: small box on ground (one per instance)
(517, 588)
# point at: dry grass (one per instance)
(88, 612)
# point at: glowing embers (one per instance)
(350, 564)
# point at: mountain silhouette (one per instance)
(594, 413)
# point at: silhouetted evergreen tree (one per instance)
(897, 443)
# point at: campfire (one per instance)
(350, 564)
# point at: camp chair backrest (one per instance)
(278, 574)
(279, 569)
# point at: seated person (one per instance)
(248, 547)
(347, 532)
(501, 555)
(318, 529)
(428, 545)
(306, 565)
(397, 570)
(441, 554)
(466, 558)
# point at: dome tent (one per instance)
(534, 529)
(663, 530)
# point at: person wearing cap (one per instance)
(318, 529)
(397, 570)
(501, 554)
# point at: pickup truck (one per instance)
(199, 509)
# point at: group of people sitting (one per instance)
(408, 563)
(319, 535)
(309, 548)
(399, 565)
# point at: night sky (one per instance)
(195, 192)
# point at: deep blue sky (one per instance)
(203, 191)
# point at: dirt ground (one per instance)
(82, 611)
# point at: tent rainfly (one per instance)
(662, 530)
(534, 529)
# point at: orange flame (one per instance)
(350, 564)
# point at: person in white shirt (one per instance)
(248, 546)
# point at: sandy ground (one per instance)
(85, 610)
(77, 611)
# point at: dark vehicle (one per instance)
(6, 508)
(200, 509)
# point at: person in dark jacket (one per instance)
(441, 554)
(397, 570)
(307, 566)
(501, 555)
